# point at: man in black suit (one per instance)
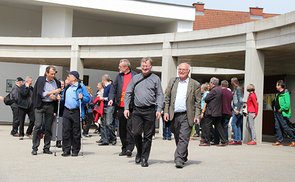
(213, 113)
(45, 103)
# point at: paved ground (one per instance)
(102, 163)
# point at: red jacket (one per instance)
(97, 111)
(252, 105)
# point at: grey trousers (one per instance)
(46, 110)
(250, 126)
(59, 128)
(181, 129)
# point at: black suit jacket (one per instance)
(214, 102)
(38, 90)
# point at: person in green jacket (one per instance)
(282, 111)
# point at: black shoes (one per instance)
(99, 141)
(65, 154)
(74, 155)
(144, 163)
(179, 165)
(46, 151)
(58, 144)
(102, 144)
(137, 159)
(34, 152)
(122, 153)
(129, 153)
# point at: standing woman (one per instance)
(252, 111)
(237, 104)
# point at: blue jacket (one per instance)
(81, 89)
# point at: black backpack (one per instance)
(8, 100)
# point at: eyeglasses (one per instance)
(182, 69)
(145, 66)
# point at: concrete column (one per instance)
(77, 64)
(254, 74)
(57, 22)
(169, 70)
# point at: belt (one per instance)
(72, 109)
(146, 107)
(184, 112)
(47, 102)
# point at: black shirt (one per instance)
(277, 104)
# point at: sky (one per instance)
(269, 6)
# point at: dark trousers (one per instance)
(45, 110)
(89, 120)
(125, 130)
(143, 120)
(21, 115)
(218, 127)
(181, 129)
(71, 138)
(15, 120)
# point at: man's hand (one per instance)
(53, 97)
(1, 98)
(27, 84)
(254, 116)
(158, 115)
(126, 113)
(110, 103)
(202, 115)
(56, 91)
(101, 98)
(166, 117)
(197, 120)
(58, 97)
(237, 112)
(80, 96)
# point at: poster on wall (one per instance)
(9, 84)
(267, 101)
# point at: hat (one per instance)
(75, 73)
(18, 79)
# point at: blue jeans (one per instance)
(107, 124)
(224, 121)
(236, 125)
(281, 121)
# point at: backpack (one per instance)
(8, 100)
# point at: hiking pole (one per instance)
(81, 122)
(56, 129)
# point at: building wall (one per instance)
(16, 22)
(89, 28)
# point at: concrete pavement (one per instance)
(102, 163)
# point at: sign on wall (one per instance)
(9, 84)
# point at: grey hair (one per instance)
(145, 59)
(205, 86)
(126, 62)
(189, 66)
(106, 77)
(224, 83)
(28, 78)
(214, 80)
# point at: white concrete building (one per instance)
(97, 34)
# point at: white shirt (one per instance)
(180, 101)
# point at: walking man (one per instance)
(117, 93)
(282, 111)
(45, 103)
(148, 96)
(182, 108)
(74, 93)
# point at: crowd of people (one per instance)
(137, 101)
